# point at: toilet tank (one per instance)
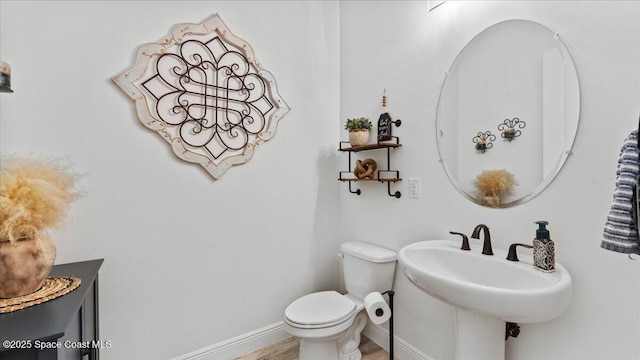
(367, 268)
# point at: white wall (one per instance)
(405, 49)
(189, 261)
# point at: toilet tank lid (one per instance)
(368, 252)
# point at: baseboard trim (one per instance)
(402, 349)
(239, 345)
(271, 334)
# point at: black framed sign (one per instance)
(384, 127)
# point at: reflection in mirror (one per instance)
(513, 74)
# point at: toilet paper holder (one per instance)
(390, 293)
(379, 312)
(377, 308)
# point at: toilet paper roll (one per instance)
(377, 309)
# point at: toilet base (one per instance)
(342, 346)
(317, 350)
(349, 343)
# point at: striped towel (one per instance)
(621, 228)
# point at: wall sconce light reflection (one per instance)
(508, 128)
(5, 77)
(484, 140)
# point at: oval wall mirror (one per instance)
(508, 113)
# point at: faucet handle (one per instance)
(465, 240)
(513, 255)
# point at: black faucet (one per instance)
(486, 248)
(465, 240)
(513, 255)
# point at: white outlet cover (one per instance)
(414, 188)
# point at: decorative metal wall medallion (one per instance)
(203, 91)
(508, 128)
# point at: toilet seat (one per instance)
(320, 310)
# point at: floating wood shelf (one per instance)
(380, 180)
(373, 146)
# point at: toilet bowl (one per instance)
(328, 323)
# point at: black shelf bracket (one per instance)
(357, 192)
(396, 194)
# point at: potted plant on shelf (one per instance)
(493, 186)
(359, 130)
(35, 195)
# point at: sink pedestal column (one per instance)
(479, 337)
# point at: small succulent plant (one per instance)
(362, 123)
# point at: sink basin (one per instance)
(486, 291)
(509, 290)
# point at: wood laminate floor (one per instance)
(288, 350)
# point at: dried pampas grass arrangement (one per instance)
(493, 185)
(35, 194)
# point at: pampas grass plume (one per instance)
(495, 183)
(35, 194)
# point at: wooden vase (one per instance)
(25, 264)
(491, 200)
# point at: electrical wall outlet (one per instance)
(414, 188)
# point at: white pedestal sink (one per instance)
(486, 290)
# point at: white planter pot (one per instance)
(358, 137)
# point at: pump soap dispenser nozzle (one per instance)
(542, 233)
(543, 249)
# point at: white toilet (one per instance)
(329, 323)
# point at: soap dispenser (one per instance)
(543, 249)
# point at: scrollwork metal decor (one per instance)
(203, 91)
(484, 140)
(508, 128)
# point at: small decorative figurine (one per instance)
(365, 169)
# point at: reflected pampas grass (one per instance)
(494, 185)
